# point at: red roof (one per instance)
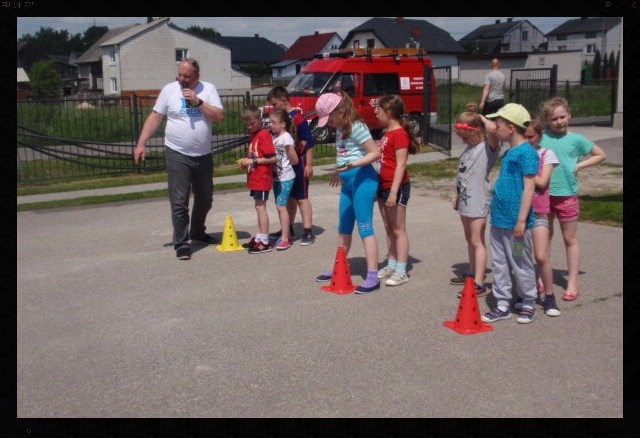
(308, 45)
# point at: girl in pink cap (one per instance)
(355, 153)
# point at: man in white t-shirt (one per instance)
(190, 106)
(493, 92)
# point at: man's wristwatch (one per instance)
(200, 102)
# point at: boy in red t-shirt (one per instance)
(259, 164)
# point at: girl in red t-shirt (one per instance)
(393, 193)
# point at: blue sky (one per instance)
(282, 30)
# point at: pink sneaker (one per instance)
(283, 244)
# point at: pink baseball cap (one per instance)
(324, 105)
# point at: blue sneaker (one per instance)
(323, 277)
(527, 316)
(496, 315)
(364, 290)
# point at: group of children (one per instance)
(537, 183)
(279, 158)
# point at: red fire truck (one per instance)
(366, 75)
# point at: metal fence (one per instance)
(84, 138)
(59, 140)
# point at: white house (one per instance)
(143, 58)
(401, 32)
(473, 69)
(587, 34)
(510, 36)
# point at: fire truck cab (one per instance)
(365, 75)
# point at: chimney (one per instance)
(497, 21)
(399, 19)
(255, 35)
(316, 33)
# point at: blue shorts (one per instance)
(259, 195)
(282, 191)
(300, 188)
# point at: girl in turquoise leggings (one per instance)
(355, 151)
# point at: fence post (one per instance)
(133, 104)
(567, 91)
(247, 98)
(614, 92)
(554, 81)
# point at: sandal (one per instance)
(570, 297)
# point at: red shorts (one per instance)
(566, 208)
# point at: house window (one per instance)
(356, 44)
(371, 43)
(590, 35)
(562, 38)
(112, 56)
(590, 49)
(114, 85)
(525, 35)
(181, 54)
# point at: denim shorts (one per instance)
(567, 208)
(282, 191)
(403, 194)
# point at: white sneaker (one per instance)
(397, 279)
(385, 272)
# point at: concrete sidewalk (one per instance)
(608, 138)
(111, 325)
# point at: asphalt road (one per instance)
(111, 325)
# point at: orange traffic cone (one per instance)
(229, 237)
(341, 277)
(468, 320)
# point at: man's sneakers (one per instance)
(183, 253)
(259, 248)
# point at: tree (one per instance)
(54, 42)
(207, 33)
(93, 34)
(44, 80)
(597, 71)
